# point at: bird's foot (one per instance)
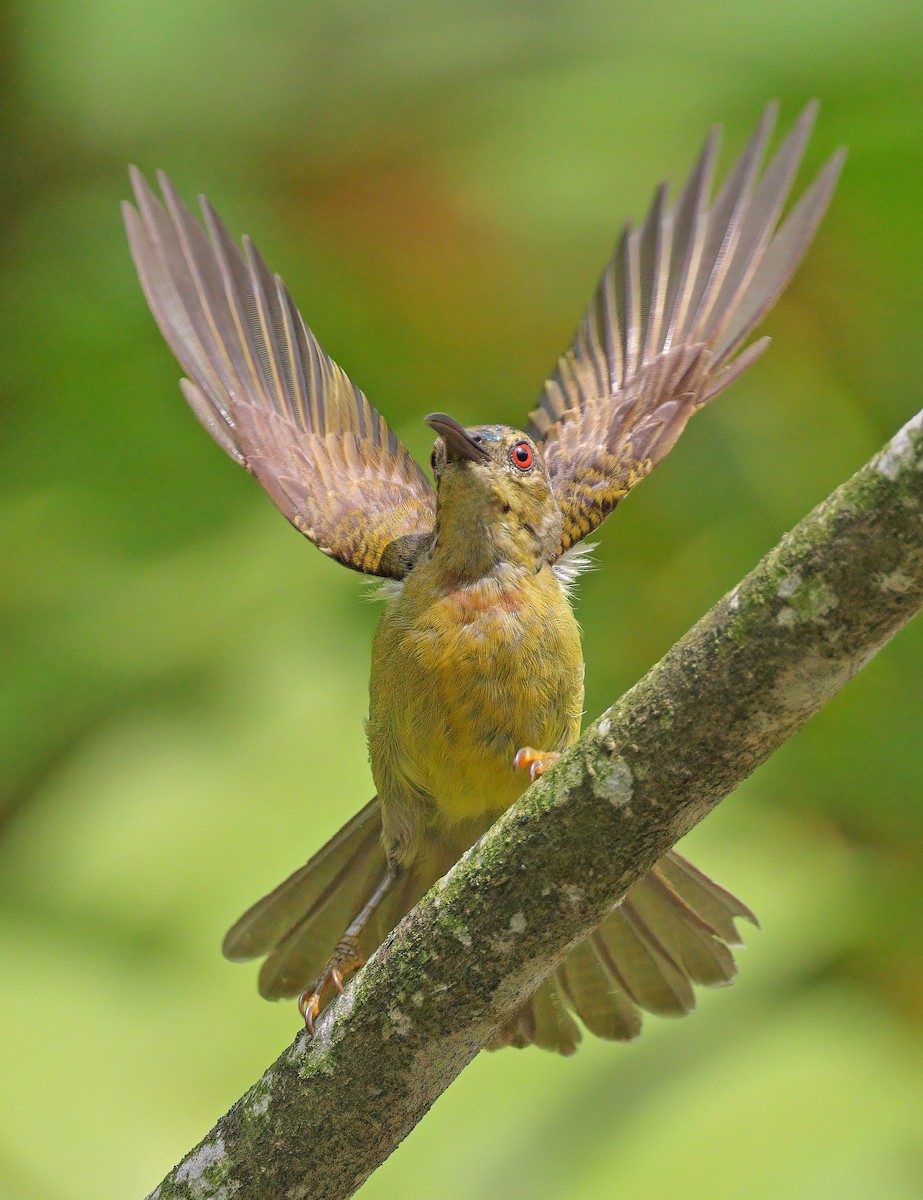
(344, 960)
(536, 762)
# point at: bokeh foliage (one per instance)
(184, 680)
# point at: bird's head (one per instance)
(495, 500)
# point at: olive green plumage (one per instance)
(478, 654)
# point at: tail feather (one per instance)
(689, 940)
(518, 1033)
(713, 903)
(674, 929)
(298, 924)
(544, 1020)
(524, 1027)
(599, 1001)
(263, 924)
(301, 955)
(555, 1028)
(638, 960)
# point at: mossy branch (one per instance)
(737, 686)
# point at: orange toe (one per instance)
(536, 762)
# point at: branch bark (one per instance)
(737, 686)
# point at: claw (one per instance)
(345, 958)
(536, 761)
(309, 1007)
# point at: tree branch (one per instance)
(737, 686)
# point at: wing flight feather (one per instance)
(664, 332)
(262, 386)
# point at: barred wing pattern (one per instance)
(269, 395)
(662, 335)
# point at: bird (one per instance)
(477, 669)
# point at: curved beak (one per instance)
(459, 446)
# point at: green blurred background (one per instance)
(184, 680)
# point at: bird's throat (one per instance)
(476, 540)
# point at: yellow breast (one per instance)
(463, 674)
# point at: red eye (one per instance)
(522, 456)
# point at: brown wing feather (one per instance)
(663, 334)
(268, 394)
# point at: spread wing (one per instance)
(664, 332)
(269, 395)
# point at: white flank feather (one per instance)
(571, 565)
(384, 589)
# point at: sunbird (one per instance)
(477, 669)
